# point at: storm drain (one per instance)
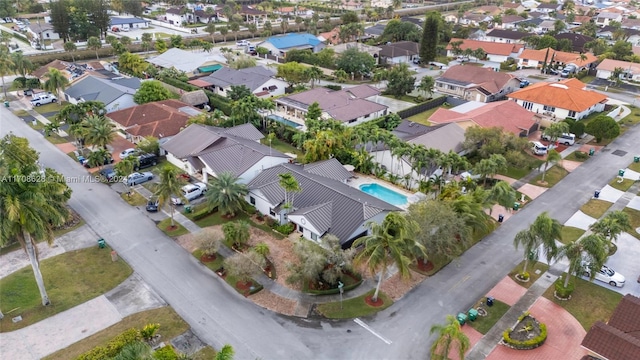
(619, 153)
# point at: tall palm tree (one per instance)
(55, 82)
(22, 64)
(30, 209)
(291, 186)
(98, 130)
(471, 208)
(6, 66)
(612, 225)
(389, 243)
(170, 184)
(98, 157)
(503, 194)
(591, 249)
(448, 334)
(552, 157)
(314, 74)
(543, 232)
(227, 194)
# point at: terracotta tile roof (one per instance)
(611, 65)
(199, 83)
(491, 48)
(582, 19)
(626, 316)
(485, 78)
(568, 94)
(512, 19)
(158, 119)
(507, 115)
(57, 64)
(557, 56)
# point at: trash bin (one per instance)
(621, 172)
(636, 158)
(500, 218)
(596, 194)
(490, 300)
(516, 206)
(462, 318)
(101, 243)
(187, 209)
(6, 104)
(473, 314)
(592, 151)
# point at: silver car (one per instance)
(138, 178)
(607, 275)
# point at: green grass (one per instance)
(134, 199)
(177, 231)
(171, 325)
(213, 265)
(48, 108)
(282, 146)
(622, 186)
(56, 233)
(216, 218)
(352, 308)
(71, 279)
(21, 113)
(423, 117)
(635, 167)
(57, 139)
(161, 35)
(595, 208)
(570, 233)
(587, 79)
(515, 172)
(552, 177)
(634, 219)
(406, 98)
(532, 268)
(589, 302)
(537, 77)
(573, 157)
(206, 353)
(631, 119)
(484, 323)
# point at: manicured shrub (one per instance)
(561, 291)
(113, 347)
(285, 229)
(149, 331)
(166, 353)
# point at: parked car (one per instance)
(43, 100)
(145, 161)
(242, 43)
(606, 274)
(153, 204)
(127, 152)
(566, 139)
(138, 178)
(524, 83)
(108, 173)
(28, 92)
(107, 161)
(538, 148)
(417, 61)
(439, 65)
(190, 192)
(569, 69)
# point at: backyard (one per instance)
(423, 117)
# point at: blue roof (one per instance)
(127, 20)
(293, 40)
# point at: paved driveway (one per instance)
(625, 261)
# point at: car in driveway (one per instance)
(145, 161)
(43, 100)
(138, 178)
(108, 173)
(524, 83)
(152, 204)
(606, 274)
(190, 192)
(107, 161)
(127, 152)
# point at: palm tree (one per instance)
(262, 249)
(22, 64)
(226, 353)
(543, 232)
(126, 167)
(137, 350)
(552, 156)
(291, 186)
(471, 208)
(6, 66)
(591, 249)
(94, 43)
(448, 334)
(169, 185)
(612, 225)
(71, 48)
(389, 243)
(314, 73)
(503, 194)
(98, 130)
(98, 157)
(227, 194)
(55, 82)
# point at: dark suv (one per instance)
(146, 160)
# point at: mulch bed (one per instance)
(424, 267)
(244, 286)
(208, 258)
(370, 302)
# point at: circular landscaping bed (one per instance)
(377, 303)
(208, 258)
(425, 266)
(527, 334)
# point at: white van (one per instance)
(565, 139)
(538, 149)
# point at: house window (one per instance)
(527, 105)
(549, 108)
(572, 113)
(301, 229)
(271, 212)
(252, 200)
(366, 116)
(451, 87)
(314, 237)
(352, 121)
(440, 85)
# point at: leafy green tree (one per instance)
(555, 130)
(22, 65)
(313, 112)
(71, 48)
(161, 46)
(400, 81)
(246, 109)
(448, 335)
(293, 73)
(170, 184)
(6, 66)
(60, 19)
(503, 194)
(262, 249)
(132, 63)
(29, 210)
(226, 353)
(491, 166)
(224, 30)
(235, 28)
(612, 225)
(98, 131)
(244, 266)
(314, 73)
(397, 30)
(356, 62)
(227, 194)
(138, 350)
(349, 17)
(150, 145)
(391, 242)
(543, 232)
(95, 44)
(151, 91)
(236, 233)
(430, 34)
(98, 157)
(238, 92)
(603, 127)
(426, 85)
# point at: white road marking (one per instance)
(366, 327)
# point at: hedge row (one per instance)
(216, 101)
(333, 291)
(113, 347)
(527, 344)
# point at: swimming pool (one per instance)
(280, 119)
(384, 194)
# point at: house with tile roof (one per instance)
(160, 119)
(183, 60)
(513, 5)
(604, 18)
(503, 114)
(630, 71)
(116, 93)
(532, 58)
(496, 52)
(351, 106)
(560, 100)
(325, 205)
(258, 79)
(506, 36)
(399, 52)
(476, 83)
(510, 22)
(279, 45)
(548, 7)
(619, 338)
(210, 151)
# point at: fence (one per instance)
(422, 107)
(275, 58)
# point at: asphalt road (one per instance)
(218, 315)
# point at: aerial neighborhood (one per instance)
(235, 179)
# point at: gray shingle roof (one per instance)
(331, 169)
(329, 204)
(104, 90)
(252, 78)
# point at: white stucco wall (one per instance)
(184, 165)
(123, 102)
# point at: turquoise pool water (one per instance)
(384, 194)
(280, 119)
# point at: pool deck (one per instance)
(365, 179)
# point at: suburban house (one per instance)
(605, 18)
(187, 61)
(503, 114)
(293, 11)
(325, 205)
(443, 137)
(472, 19)
(476, 83)
(531, 58)
(209, 150)
(196, 98)
(253, 15)
(116, 94)
(331, 37)
(60, 65)
(375, 30)
(128, 23)
(619, 338)
(630, 71)
(179, 15)
(513, 5)
(548, 8)
(631, 24)
(496, 52)
(258, 79)
(578, 41)
(631, 35)
(371, 50)
(399, 52)
(160, 119)
(280, 44)
(351, 106)
(40, 32)
(506, 36)
(510, 22)
(563, 99)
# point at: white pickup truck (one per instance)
(44, 99)
(190, 192)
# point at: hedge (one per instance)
(336, 290)
(113, 347)
(527, 344)
(165, 353)
(219, 102)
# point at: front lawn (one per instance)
(515, 172)
(589, 302)
(178, 230)
(406, 98)
(133, 198)
(494, 313)
(635, 166)
(535, 270)
(71, 279)
(570, 233)
(623, 185)
(353, 308)
(216, 218)
(48, 108)
(634, 219)
(579, 156)
(595, 208)
(552, 177)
